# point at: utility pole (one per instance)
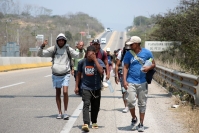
(51, 40)
(18, 36)
(8, 20)
(6, 33)
(88, 28)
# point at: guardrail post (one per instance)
(197, 95)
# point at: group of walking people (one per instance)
(93, 65)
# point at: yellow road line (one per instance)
(110, 42)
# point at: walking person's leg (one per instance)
(95, 106)
(58, 101)
(65, 85)
(131, 97)
(142, 101)
(120, 75)
(86, 98)
(65, 99)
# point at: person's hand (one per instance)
(125, 85)
(146, 69)
(107, 76)
(117, 79)
(92, 56)
(45, 43)
(76, 90)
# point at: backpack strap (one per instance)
(68, 53)
(69, 56)
(133, 53)
(54, 53)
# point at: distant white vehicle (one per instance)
(108, 30)
(103, 41)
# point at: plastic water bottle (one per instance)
(147, 63)
(110, 86)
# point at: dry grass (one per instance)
(189, 117)
(187, 114)
(171, 65)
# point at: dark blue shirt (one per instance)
(91, 77)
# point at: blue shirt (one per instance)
(135, 75)
(91, 77)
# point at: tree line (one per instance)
(22, 23)
(179, 24)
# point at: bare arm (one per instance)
(78, 76)
(107, 69)
(116, 71)
(125, 71)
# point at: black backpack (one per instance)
(68, 53)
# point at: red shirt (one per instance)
(99, 55)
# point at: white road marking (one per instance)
(72, 119)
(11, 85)
(48, 76)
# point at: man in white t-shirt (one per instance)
(119, 73)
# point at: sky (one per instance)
(116, 14)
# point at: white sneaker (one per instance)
(125, 110)
(59, 116)
(66, 117)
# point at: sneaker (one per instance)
(59, 116)
(140, 128)
(66, 117)
(94, 126)
(133, 122)
(85, 128)
(125, 110)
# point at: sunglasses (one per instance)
(95, 43)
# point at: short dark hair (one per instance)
(91, 48)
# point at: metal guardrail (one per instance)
(185, 82)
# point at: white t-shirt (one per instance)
(119, 57)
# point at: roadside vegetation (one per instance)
(22, 23)
(179, 24)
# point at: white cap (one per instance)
(108, 49)
(134, 39)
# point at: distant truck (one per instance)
(103, 41)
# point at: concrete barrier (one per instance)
(14, 63)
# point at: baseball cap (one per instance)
(134, 39)
(96, 41)
(108, 49)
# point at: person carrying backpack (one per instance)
(119, 74)
(101, 54)
(134, 79)
(91, 68)
(61, 55)
(110, 59)
(79, 45)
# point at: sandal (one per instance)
(94, 126)
(85, 128)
